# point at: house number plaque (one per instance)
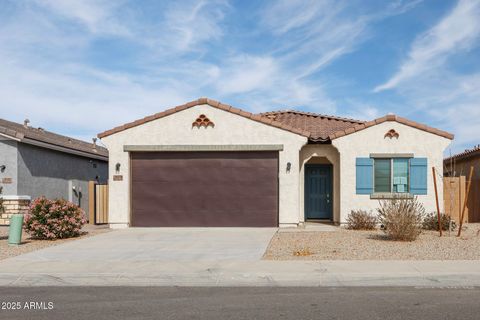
(7, 180)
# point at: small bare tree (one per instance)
(2, 209)
(401, 218)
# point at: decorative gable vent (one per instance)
(203, 121)
(392, 134)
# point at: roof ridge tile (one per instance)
(312, 114)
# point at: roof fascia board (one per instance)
(63, 149)
(10, 137)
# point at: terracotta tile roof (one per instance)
(316, 127)
(29, 134)
(212, 103)
(320, 126)
(392, 117)
(465, 154)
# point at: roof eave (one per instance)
(394, 118)
(55, 147)
(212, 103)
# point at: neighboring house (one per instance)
(205, 163)
(459, 164)
(35, 162)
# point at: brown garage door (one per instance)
(204, 189)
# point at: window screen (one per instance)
(400, 175)
(383, 175)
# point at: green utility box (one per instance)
(15, 229)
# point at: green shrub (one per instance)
(361, 220)
(401, 218)
(430, 222)
(53, 219)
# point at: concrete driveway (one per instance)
(212, 257)
(161, 244)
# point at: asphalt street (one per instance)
(239, 303)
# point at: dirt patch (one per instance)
(29, 244)
(373, 245)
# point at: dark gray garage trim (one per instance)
(188, 148)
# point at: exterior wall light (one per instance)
(2, 168)
(117, 167)
(289, 166)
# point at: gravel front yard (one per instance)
(29, 244)
(372, 245)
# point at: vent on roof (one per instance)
(25, 123)
(41, 129)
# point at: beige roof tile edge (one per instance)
(212, 103)
(395, 118)
(464, 154)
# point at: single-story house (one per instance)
(35, 162)
(206, 163)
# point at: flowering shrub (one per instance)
(53, 219)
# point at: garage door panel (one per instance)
(205, 189)
(243, 205)
(208, 218)
(210, 189)
(207, 175)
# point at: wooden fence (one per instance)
(98, 203)
(454, 190)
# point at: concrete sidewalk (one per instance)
(238, 273)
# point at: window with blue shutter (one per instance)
(364, 175)
(418, 176)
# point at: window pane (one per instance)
(400, 175)
(383, 175)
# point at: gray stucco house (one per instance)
(35, 162)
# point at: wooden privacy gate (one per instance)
(454, 190)
(98, 203)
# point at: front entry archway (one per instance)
(318, 191)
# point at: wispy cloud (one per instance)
(432, 87)
(192, 23)
(82, 67)
(457, 32)
(97, 16)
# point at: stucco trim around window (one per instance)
(187, 148)
(391, 155)
(380, 196)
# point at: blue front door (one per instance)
(318, 191)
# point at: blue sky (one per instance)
(81, 67)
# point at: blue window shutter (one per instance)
(418, 175)
(364, 175)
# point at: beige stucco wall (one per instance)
(371, 140)
(230, 129)
(312, 153)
